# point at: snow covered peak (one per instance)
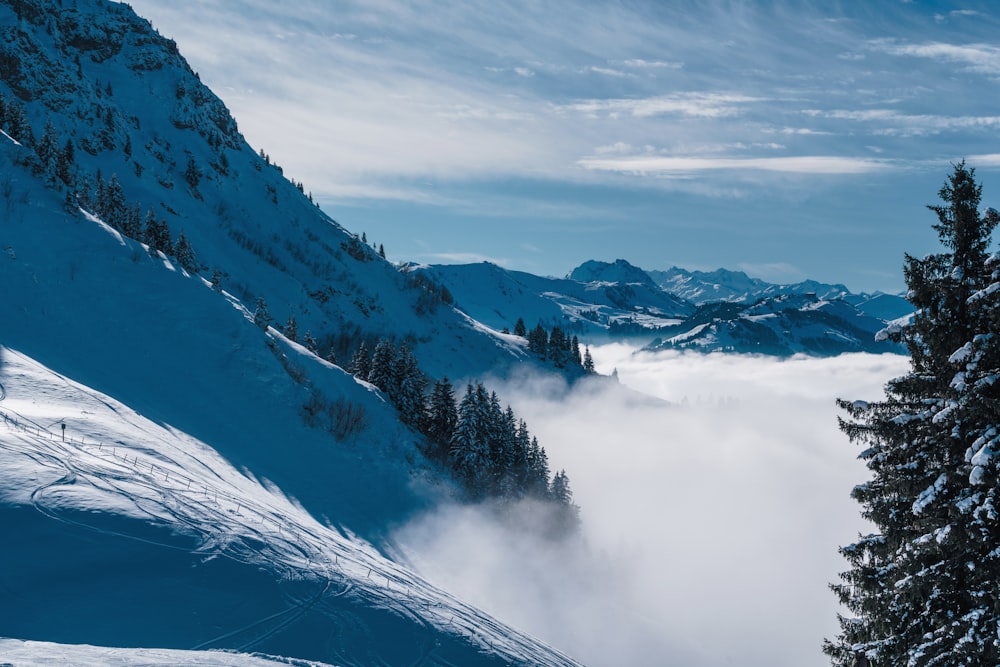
(619, 271)
(101, 85)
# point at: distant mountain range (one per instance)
(676, 308)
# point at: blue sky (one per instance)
(790, 140)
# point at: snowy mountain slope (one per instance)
(94, 75)
(19, 652)
(701, 287)
(134, 533)
(176, 372)
(782, 325)
(498, 297)
(776, 321)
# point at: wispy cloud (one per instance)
(699, 104)
(652, 64)
(981, 58)
(897, 123)
(664, 165)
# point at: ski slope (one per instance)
(113, 478)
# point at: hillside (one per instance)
(251, 483)
(98, 78)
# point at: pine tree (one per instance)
(261, 315)
(310, 342)
(537, 483)
(558, 347)
(520, 329)
(538, 340)
(567, 517)
(157, 234)
(408, 386)
(924, 588)
(48, 152)
(291, 329)
(441, 417)
(361, 362)
(380, 373)
(588, 362)
(185, 254)
(132, 223)
(469, 453)
(111, 202)
(66, 163)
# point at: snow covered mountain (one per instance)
(782, 325)
(179, 471)
(498, 297)
(121, 122)
(701, 287)
(619, 300)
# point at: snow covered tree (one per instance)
(924, 588)
(291, 329)
(440, 419)
(361, 362)
(185, 254)
(66, 163)
(310, 342)
(380, 373)
(157, 234)
(111, 202)
(588, 362)
(469, 451)
(537, 478)
(408, 386)
(261, 315)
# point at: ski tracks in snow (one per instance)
(237, 518)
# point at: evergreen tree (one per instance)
(558, 347)
(441, 419)
(575, 349)
(48, 152)
(538, 341)
(310, 342)
(469, 452)
(380, 373)
(588, 362)
(409, 385)
(567, 517)
(361, 362)
(291, 329)
(157, 234)
(132, 224)
(537, 482)
(924, 588)
(66, 163)
(185, 254)
(520, 329)
(261, 315)
(111, 202)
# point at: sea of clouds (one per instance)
(715, 492)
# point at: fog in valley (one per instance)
(715, 492)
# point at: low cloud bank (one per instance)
(711, 517)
